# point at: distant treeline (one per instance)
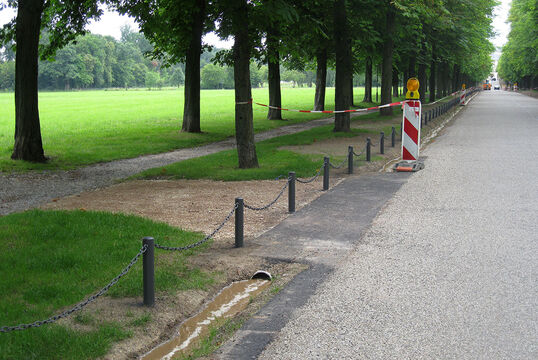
(98, 62)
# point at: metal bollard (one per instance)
(368, 145)
(239, 222)
(148, 271)
(350, 160)
(291, 192)
(393, 137)
(325, 173)
(382, 143)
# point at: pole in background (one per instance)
(291, 192)
(148, 271)
(239, 222)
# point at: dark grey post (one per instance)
(350, 159)
(401, 132)
(368, 145)
(325, 173)
(382, 143)
(291, 192)
(393, 137)
(239, 216)
(148, 271)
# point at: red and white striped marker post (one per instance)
(411, 130)
(462, 96)
(412, 115)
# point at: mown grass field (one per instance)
(85, 127)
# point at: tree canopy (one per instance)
(519, 58)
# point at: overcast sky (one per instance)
(111, 23)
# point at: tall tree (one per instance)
(63, 21)
(368, 79)
(342, 97)
(386, 69)
(176, 28)
(244, 126)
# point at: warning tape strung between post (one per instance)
(322, 111)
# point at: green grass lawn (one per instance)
(85, 127)
(273, 161)
(51, 260)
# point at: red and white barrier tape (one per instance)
(323, 111)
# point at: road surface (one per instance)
(449, 268)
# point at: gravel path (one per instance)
(19, 192)
(448, 270)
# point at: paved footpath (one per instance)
(447, 269)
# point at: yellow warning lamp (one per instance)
(412, 89)
(463, 87)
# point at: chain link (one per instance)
(272, 202)
(79, 306)
(312, 179)
(358, 155)
(338, 166)
(181, 248)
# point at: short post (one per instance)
(239, 222)
(350, 160)
(382, 143)
(393, 137)
(368, 145)
(291, 192)
(325, 173)
(148, 271)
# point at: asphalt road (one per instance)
(448, 269)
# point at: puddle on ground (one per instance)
(227, 303)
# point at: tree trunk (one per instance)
(342, 95)
(422, 81)
(351, 90)
(412, 65)
(28, 143)
(244, 126)
(395, 82)
(421, 73)
(273, 74)
(433, 71)
(386, 71)
(321, 80)
(191, 107)
(456, 78)
(368, 80)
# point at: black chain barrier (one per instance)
(272, 202)
(338, 166)
(360, 154)
(79, 306)
(187, 247)
(312, 179)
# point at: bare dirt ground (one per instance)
(201, 205)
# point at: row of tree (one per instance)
(519, 58)
(97, 62)
(443, 42)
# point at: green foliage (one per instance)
(519, 59)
